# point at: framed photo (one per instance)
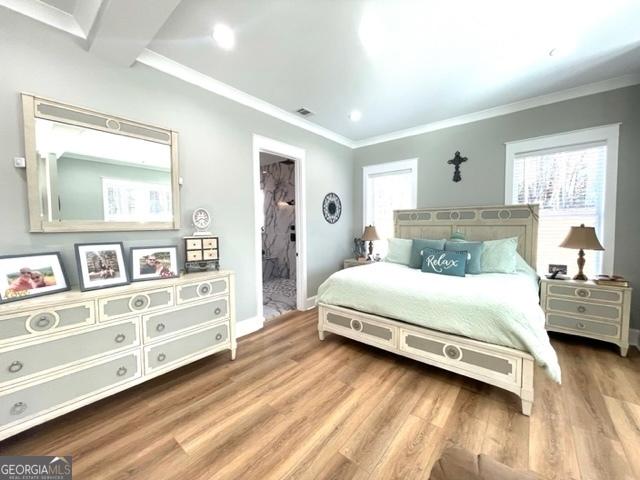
(101, 265)
(150, 263)
(28, 276)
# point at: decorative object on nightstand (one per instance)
(355, 262)
(587, 309)
(201, 253)
(582, 238)
(370, 235)
(359, 248)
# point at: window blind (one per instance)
(568, 183)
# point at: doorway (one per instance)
(281, 270)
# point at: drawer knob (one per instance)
(162, 357)
(120, 338)
(219, 336)
(160, 327)
(581, 325)
(582, 309)
(204, 289)
(15, 366)
(18, 408)
(582, 292)
(121, 371)
(356, 325)
(43, 322)
(217, 311)
(452, 352)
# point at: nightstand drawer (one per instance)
(582, 326)
(605, 312)
(595, 294)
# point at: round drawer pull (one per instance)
(582, 292)
(122, 371)
(15, 366)
(160, 327)
(581, 325)
(120, 338)
(219, 336)
(162, 357)
(452, 352)
(18, 408)
(43, 322)
(356, 325)
(217, 311)
(582, 309)
(139, 302)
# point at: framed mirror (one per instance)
(92, 172)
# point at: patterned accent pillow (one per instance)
(499, 256)
(443, 262)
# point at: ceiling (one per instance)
(402, 63)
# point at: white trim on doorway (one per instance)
(298, 155)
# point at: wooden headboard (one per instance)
(476, 223)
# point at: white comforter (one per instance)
(496, 308)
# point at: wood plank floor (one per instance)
(293, 407)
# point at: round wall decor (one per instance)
(332, 207)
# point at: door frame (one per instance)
(298, 155)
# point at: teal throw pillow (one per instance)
(443, 262)
(420, 244)
(474, 250)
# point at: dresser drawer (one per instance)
(361, 328)
(595, 294)
(19, 363)
(28, 325)
(40, 398)
(183, 318)
(582, 326)
(197, 291)
(172, 352)
(606, 312)
(135, 303)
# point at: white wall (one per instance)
(215, 153)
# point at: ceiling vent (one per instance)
(304, 112)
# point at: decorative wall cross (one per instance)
(457, 160)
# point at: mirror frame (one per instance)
(103, 122)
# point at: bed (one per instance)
(488, 327)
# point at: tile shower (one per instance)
(278, 238)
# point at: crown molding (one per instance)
(189, 75)
(526, 104)
(48, 14)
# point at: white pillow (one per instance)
(399, 251)
(499, 256)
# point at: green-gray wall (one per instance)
(215, 153)
(80, 178)
(483, 181)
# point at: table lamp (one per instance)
(370, 235)
(582, 238)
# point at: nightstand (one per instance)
(352, 262)
(588, 310)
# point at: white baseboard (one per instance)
(310, 303)
(634, 337)
(249, 325)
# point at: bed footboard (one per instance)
(496, 365)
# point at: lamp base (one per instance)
(581, 276)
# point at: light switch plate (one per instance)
(19, 162)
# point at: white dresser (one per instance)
(589, 310)
(64, 351)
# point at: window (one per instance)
(127, 201)
(388, 187)
(572, 176)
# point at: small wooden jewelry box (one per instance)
(201, 253)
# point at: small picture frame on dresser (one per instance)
(31, 275)
(152, 263)
(101, 265)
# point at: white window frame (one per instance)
(410, 164)
(609, 134)
(108, 181)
